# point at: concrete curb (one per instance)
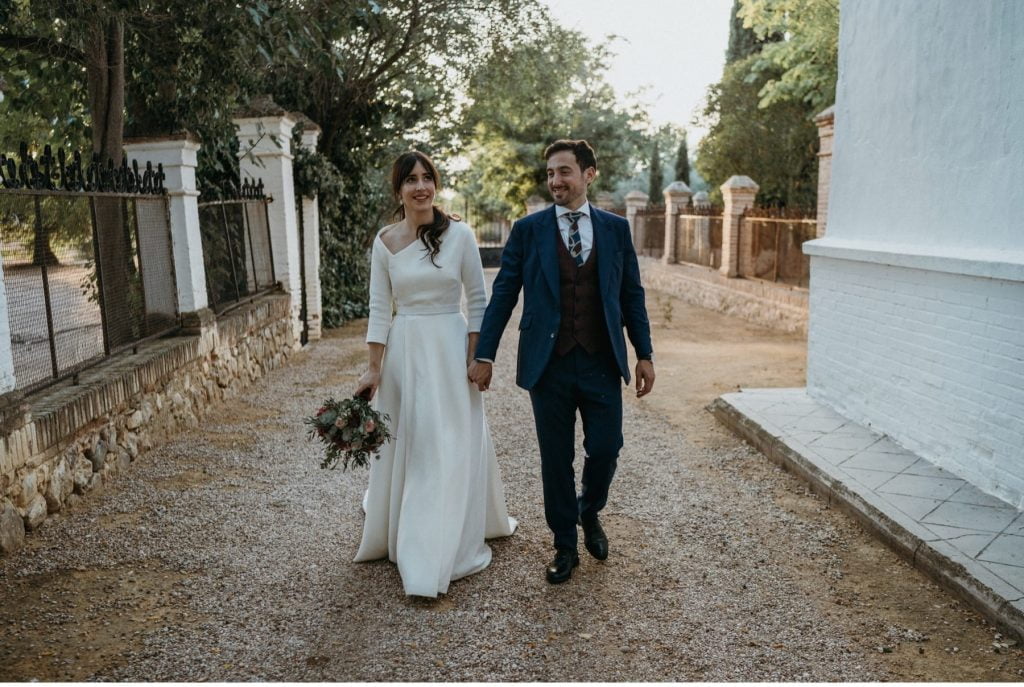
(963, 578)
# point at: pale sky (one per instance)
(677, 47)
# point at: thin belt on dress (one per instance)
(428, 309)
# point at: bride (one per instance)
(435, 493)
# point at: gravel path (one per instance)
(225, 555)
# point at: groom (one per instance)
(581, 285)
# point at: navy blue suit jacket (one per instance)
(530, 263)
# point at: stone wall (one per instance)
(778, 306)
(61, 443)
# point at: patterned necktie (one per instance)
(575, 240)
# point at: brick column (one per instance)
(265, 153)
(311, 243)
(677, 197)
(178, 156)
(826, 130)
(635, 201)
(738, 194)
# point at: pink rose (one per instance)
(369, 426)
(340, 423)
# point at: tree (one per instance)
(803, 67)
(516, 109)
(379, 78)
(683, 161)
(743, 41)
(774, 145)
(656, 182)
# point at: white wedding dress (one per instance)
(435, 492)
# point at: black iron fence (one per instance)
(774, 239)
(699, 236)
(85, 275)
(236, 249)
(650, 231)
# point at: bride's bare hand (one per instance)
(368, 384)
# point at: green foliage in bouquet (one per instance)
(350, 430)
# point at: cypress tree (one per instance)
(657, 177)
(683, 162)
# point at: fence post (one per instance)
(635, 201)
(826, 130)
(677, 197)
(311, 241)
(264, 132)
(738, 194)
(178, 154)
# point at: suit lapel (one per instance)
(547, 249)
(605, 251)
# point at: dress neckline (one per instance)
(400, 251)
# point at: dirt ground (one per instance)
(702, 354)
(99, 594)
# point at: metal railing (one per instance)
(773, 241)
(699, 236)
(237, 250)
(86, 275)
(650, 231)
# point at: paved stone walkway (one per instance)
(226, 554)
(972, 540)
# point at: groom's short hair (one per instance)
(585, 155)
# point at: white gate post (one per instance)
(677, 196)
(738, 194)
(311, 241)
(265, 152)
(178, 155)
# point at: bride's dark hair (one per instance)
(429, 234)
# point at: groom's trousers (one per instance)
(591, 384)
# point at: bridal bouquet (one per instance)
(350, 429)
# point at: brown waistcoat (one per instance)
(582, 313)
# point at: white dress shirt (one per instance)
(585, 226)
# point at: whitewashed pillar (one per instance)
(738, 194)
(677, 197)
(311, 244)
(178, 155)
(265, 152)
(636, 201)
(826, 130)
(7, 380)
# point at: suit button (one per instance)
(552, 335)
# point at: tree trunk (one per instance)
(104, 52)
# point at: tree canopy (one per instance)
(515, 109)
(805, 65)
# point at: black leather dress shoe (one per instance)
(561, 567)
(594, 538)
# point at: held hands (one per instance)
(480, 374)
(368, 384)
(644, 377)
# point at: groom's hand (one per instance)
(480, 374)
(644, 377)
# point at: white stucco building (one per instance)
(917, 292)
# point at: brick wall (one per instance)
(934, 359)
